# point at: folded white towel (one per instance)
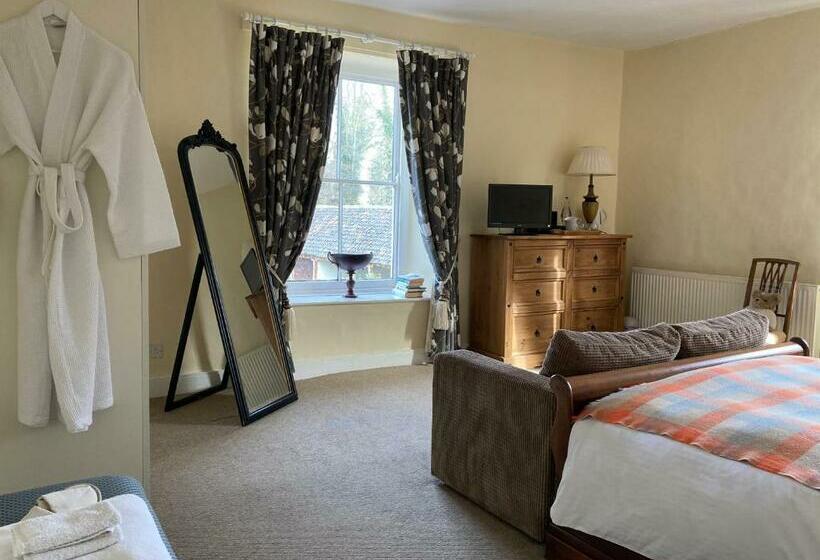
(140, 538)
(36, 511)
(66, 535)
(85, 549)
(73, 497)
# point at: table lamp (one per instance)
(592, 161)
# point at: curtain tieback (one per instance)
(441, 306)
(275, 275)
(289, 314)
(60, 204)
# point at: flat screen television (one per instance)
(526, 208)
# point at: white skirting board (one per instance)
(673, 296)
(305, 368)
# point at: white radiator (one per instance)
(673, 297)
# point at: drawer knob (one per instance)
(538, 259)
(594, 289)
(595, 257)
(537, 333)
(537, 292)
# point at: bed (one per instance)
(629, 494)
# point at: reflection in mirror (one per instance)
(261, 368)
(204, 353)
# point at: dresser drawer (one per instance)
(602, 319)
(533, 332)
(606, 288)
(597, 257)
(538, 292)
(528, 361)
(548, 260)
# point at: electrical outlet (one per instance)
(156, 351)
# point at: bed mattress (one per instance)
(670, 501)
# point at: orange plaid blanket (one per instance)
(765, 412)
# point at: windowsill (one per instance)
(325, 299)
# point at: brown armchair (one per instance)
(490, 440)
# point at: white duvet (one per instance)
(670, 501)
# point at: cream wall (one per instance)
(364, 328)
(720, 149)
(531, 101)
(117, 442)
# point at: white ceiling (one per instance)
(623, 24)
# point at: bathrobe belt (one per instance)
(60, 204)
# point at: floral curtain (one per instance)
(293, 79)
(433, 95)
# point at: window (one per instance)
(364, 200)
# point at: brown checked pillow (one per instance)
(740, 330)
(576, 353)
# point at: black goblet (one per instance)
(350, 262)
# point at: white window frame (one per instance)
(400, 186)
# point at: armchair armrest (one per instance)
(490, 439)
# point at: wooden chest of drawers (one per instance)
(524, 288)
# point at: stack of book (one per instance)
(409, 286)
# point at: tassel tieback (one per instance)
(288, 313)
(289, 318)
(441, 307)
(441, 314)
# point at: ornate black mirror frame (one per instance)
(208, 136)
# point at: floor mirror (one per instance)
(231, 336)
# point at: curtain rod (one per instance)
(248, 19)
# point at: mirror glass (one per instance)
(261, 363)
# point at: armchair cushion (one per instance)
(736, 331)
(576, 353)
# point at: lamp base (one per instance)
(590, 205)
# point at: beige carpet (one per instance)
(344, 472)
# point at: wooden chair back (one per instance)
(771, 279)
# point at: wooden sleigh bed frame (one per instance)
(573, 393)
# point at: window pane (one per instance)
(367, 226)
(323, 236)
(331, 164)
(366, 131)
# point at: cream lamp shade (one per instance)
(591, 160)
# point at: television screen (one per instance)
(519, 206)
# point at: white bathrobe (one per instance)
(61, 114)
